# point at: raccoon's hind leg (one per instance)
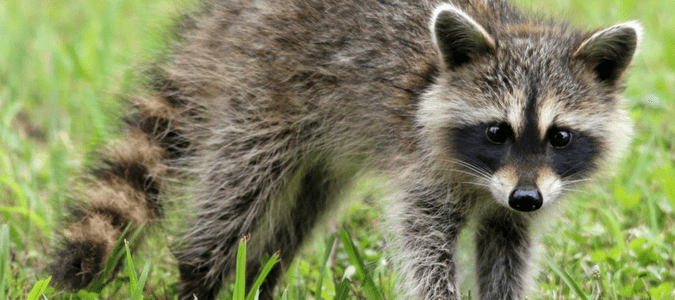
(122, 190)
(276, 204)
(503, 246)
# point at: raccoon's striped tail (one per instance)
(121, 192)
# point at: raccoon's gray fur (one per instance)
(269, 108)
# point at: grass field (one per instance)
(62, 63)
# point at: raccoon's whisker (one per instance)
(475, 168)
(571, 190)
(570, 182)
(477, 183)
(572, 172)
(567, 173)
(565, 184)
(476, 163)
(478, 169)
(472, 173)
(465, 170)
(477, 172)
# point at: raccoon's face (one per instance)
(530, 110)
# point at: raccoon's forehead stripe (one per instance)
(548, 111)
(528, 133)
(523, 113)
(515, 105)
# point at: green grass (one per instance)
(62, 62)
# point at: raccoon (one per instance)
(266, 110)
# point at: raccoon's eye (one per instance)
(559, 138)
(498, 133)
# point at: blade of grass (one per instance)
(98, 118)
(28, 214)
(19, 195)
(84, 295)
(240, 279)
(138, 293)
(613, 227)
(38, 289)
(342, 290)
(114, 259)
(641, 164)
(4, 259)
(666, 177)
(130, 268)
(368, 284)
(322, 271)
(565, 277)
(263, 274)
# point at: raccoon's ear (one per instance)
(610, 51)
(458, 37)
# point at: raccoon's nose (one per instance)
(525, 199)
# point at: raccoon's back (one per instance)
(360, 64)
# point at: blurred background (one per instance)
(64, 63)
